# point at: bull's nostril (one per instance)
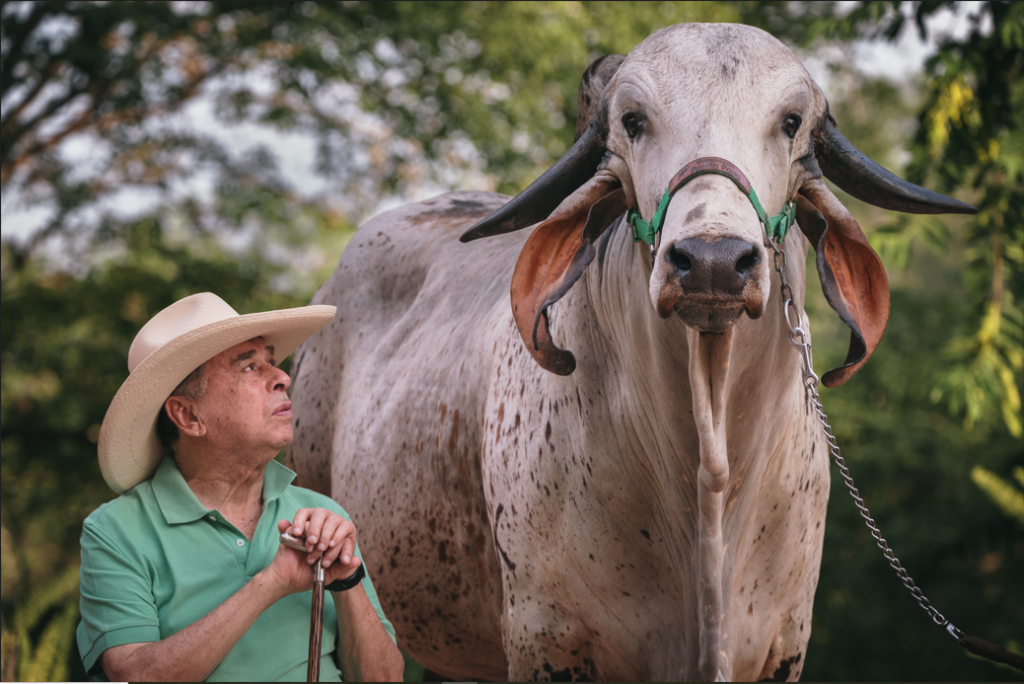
(747, 262)
(679, 259)
(719, 268)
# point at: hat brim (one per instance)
(129, 450)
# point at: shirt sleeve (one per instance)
(117, 602)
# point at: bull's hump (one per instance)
(444, 213)
(406, 275)
(457, 207)
(424, 237)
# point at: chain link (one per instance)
(798, 337)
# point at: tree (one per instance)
(970, 135)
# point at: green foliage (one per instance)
(46, 659)
(969, 137)
(400, 95)
(913, 463)
(447, 86)
(1008, 498)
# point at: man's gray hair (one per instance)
(192, 388)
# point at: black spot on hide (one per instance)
(696, 213)
(564, 675)
(785, 667)
(504, 556)
(461, 208)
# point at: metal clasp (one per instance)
(796, 338)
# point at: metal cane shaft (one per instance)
(316, 626)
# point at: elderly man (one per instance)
(183, 577)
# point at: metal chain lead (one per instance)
(797, 336)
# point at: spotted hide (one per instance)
(571, 456)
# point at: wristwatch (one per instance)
(346, 584)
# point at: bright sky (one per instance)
(296, 153)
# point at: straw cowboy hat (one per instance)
(171, 345)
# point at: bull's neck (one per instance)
(708, 412)
(618, 325)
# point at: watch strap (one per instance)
(346, 584)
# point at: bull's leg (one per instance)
(785, 659)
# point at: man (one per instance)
(183, 576)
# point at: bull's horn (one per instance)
(536, 203)
(592, 86)
(850, 169)
(575, 168)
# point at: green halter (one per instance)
(775, 226)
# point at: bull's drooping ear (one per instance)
(576, 204)
(554, 258)
(852, 275)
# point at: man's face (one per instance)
(245, 406)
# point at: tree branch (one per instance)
(9, 117)
(18, 41)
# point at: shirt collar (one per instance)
(276, 479)
(180, 505)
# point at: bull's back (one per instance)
(388, 402)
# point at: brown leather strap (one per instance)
(989, 651)
(704, 165)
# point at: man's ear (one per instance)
(183, 415)
(554, 258)
(852, 274)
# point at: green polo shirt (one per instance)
(155, 560)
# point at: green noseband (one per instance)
(775, 226)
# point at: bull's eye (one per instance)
(631, 122)
(792, 125)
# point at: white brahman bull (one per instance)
(649, 505)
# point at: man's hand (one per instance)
(330, 539)
(365, 651)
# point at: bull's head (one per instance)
(687, 92)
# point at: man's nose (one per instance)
(280, 381)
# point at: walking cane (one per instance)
(316, 620)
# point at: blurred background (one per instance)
(154, 150)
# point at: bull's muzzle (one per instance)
(713, 281)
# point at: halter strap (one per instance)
(775, 226)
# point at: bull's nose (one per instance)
(710, 268)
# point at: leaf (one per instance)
(50, 662)
(1009, 499)
(43, 599)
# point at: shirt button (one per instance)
(213, 518)
(240, 542)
